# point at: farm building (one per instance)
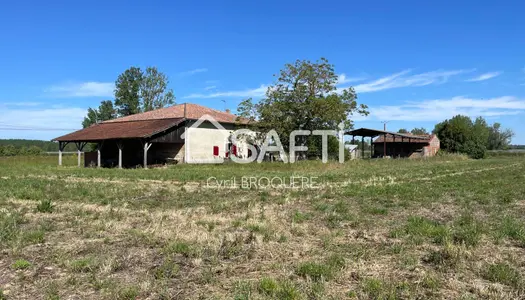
(393, 144)
(184, 133)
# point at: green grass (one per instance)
(380, 229)
(503, 273)
(21, 264)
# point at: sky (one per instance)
(413, 64)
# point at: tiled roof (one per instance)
(390, 139)
(120, 130)
(193, 111)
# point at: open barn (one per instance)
(184, 133)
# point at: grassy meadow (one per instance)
(446, 227)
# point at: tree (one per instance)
(461, 135)
(127, 92)
(304, 97)
(153, 90)
(419, 131)
(499, 138)
(105, 112)
(402, 130)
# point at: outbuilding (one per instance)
(184, 133)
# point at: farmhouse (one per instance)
(393, 144)
(185, 133)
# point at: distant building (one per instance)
(396, 144)
(405, 146)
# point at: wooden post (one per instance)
(394, 146)
(60, 148)
(384, 145)
(146, 148)
(362, 147)
(371, 147)
(120, 147)
(99, 154)
(80, 147)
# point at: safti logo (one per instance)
(201, 120)
(272, 142)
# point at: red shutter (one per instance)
(234, 150)
(216, 150)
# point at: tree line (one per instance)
(136, 91)
(13, 147)
(461, 134)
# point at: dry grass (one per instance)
(380, 230)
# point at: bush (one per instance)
(45, 206)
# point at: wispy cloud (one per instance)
(193, 72)
(84, 89)
(440, 109)
(406, 79)
(21, 104)
(485, 76)
(256, 92)
(211, 87)
(342, 79)
(44, 123)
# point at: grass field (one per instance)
(388, 229)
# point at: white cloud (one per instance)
(84, 89)
(24, 104)
(257, 92)
(210, 87)
(485, 76)
(45, 123)
(405, 79)
(441, 109)
(193, 72)
(342, 79)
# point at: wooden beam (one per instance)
(61, 146)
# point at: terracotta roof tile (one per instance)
(120, 130)
(193, 111)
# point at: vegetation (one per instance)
(415, 131)
(136, 91)
(15, 147)
(444, 227)
(304, 97)
(460, 134)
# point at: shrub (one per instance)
(21, 264)
(45, 206)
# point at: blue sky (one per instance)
(413, 65)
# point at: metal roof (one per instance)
(120, 130)
(374, 132)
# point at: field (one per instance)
(446, 227)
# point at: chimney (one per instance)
(228, 110)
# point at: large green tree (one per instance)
(105, 112)
(127, 92)
(461, 135)
(305, 97)
(153, 90)
(499, 138)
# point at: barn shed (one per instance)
(184, 133)
(393, 144)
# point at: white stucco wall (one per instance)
(200, 142)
